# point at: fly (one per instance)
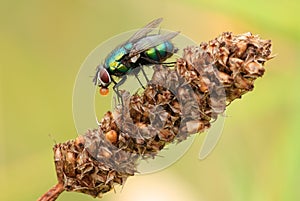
(139, 50)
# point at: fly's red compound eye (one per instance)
(104, 77)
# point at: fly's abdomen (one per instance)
(160, 52)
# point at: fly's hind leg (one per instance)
(166, 64)
(169, 64)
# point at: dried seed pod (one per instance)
(111, 136)
(194, 126)
(241, 48)
(254, 68)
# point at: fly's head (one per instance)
(102, 79)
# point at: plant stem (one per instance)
(53, 193)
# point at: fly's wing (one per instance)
(145, 30)
(149, 42)
(212, 137)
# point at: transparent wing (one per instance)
(149, 42)
(145, 30)
(212, 137)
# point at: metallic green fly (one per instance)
(141, 49)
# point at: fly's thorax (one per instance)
(114, 61)
(117, 68)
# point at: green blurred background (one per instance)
(44, 43)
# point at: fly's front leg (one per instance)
(116, 88)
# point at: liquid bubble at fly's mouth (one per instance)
(89, 105)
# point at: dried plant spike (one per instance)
(177, 103)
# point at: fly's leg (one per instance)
(169, 64)
(137, 77)
(116, 88)
(119, 97)
(145, 75)
(153, 62)
(135, 72)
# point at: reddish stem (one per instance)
(52, 193)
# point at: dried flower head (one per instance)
(177, 103)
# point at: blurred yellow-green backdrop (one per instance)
(44, 43)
